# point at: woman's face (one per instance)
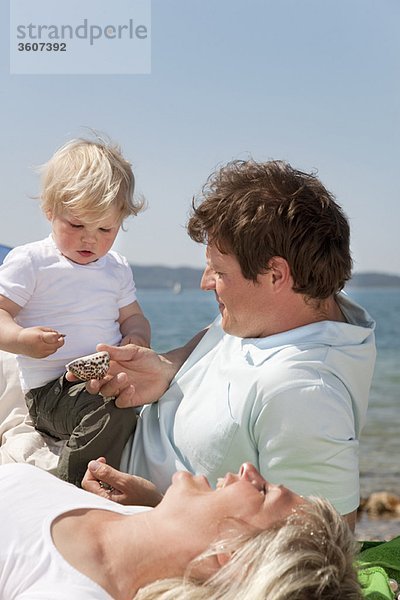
(246, 497)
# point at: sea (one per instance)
(175, 318)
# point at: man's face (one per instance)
(243, 304)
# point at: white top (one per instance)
(31, 568)
(80, 301)
(293, 404)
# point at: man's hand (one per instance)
(39, 342)
(136, 375)
(105, 481)
(139, 375)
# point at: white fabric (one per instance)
(80, 301)
(31, 568)
(19, 441)
(11, 397)
(292, 403)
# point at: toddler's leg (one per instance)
(102, 432)
(55, 408)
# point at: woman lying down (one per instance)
(248, 539)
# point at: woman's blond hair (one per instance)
(309, 556)
(88, 178)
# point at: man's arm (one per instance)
(139, 375)
(178, 356)
(351, 519)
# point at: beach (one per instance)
(377, 528)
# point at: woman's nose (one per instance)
(249, 472)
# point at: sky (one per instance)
(313, 82)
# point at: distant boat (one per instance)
(177, 287)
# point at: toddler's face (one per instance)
(81, 242)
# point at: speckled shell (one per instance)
(92, 366)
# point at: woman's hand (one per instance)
(105, 481)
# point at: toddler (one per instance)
(61, 296)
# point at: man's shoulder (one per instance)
(288, 368)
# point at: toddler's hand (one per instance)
(39, 342)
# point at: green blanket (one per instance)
(379, 562)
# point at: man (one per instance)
(282, 377)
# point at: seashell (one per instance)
(92, 366)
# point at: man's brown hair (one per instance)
(257, 211)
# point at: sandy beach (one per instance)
(377, 528)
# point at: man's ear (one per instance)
(280, 272)
(49, 214)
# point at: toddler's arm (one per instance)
(37, 342)
(135, 328)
